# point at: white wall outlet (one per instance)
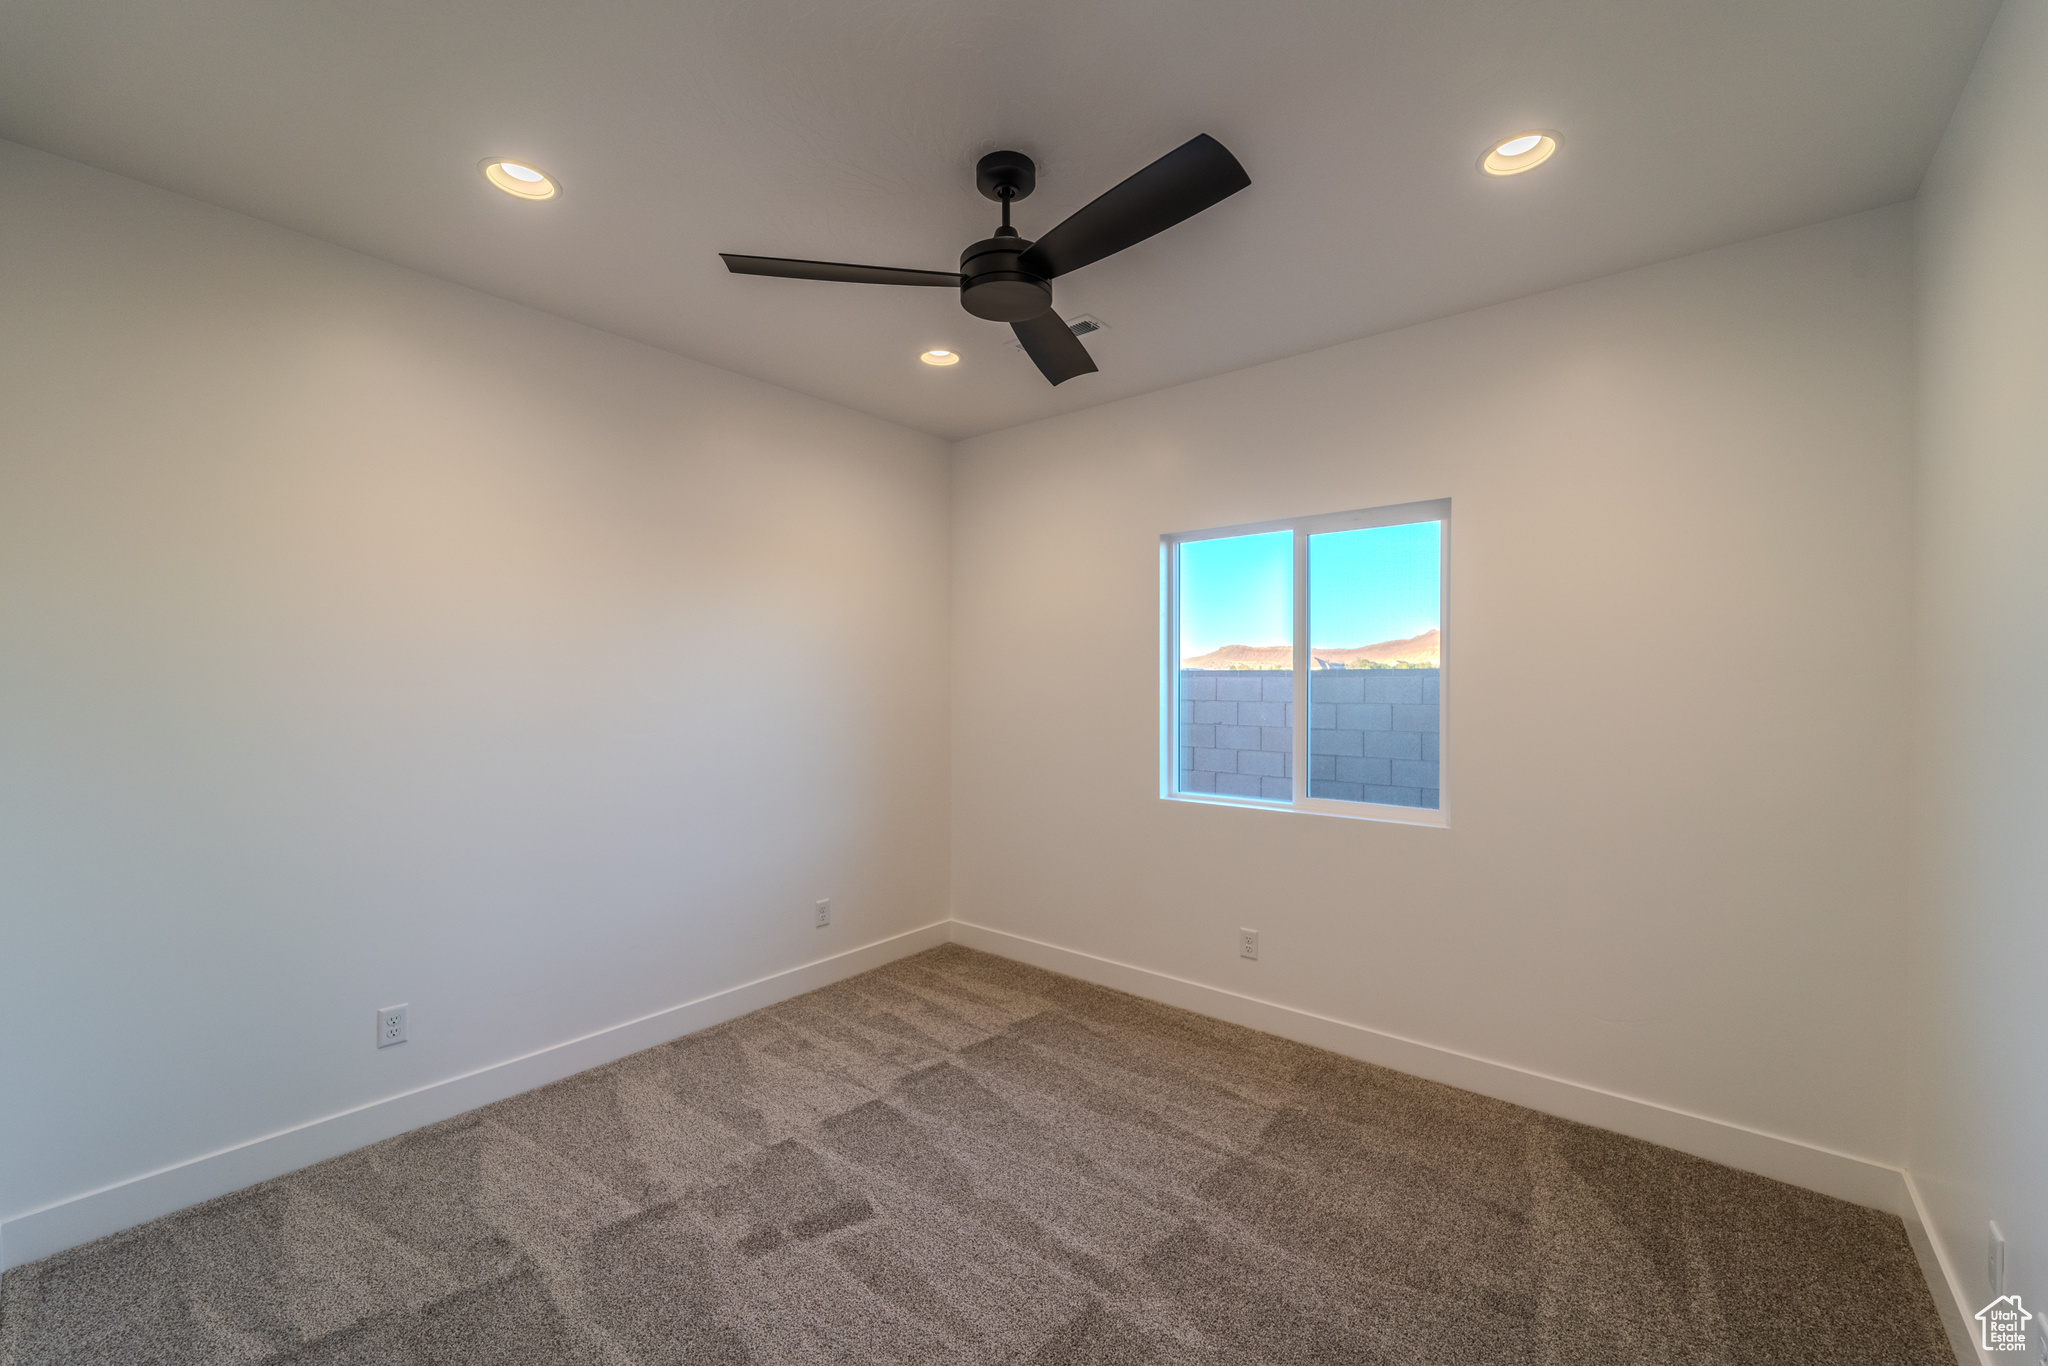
(1248, 944)
(390, 1026)
(1994, 1263)
(824, 913)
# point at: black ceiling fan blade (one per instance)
(1053, 347)
(790, 269)
(1192, 177)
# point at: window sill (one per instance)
(1318, 806)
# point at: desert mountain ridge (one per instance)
(1417, 652)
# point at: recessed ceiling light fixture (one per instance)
(939, 358)
(1520, 153)
(519, 179)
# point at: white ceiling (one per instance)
(848, 130)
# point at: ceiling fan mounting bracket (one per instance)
(1006, 176)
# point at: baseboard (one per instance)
(68, 1223)
(82, 1218)
(1847, 1177)
(1957, 1319)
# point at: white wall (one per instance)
(367, 640)
(1677, 673)
(364, 639)
(1980, 1114)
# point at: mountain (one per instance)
(1423, 651)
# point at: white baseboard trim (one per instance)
(1957, 1318)
(82, 1218)
(1842, 1175)
(53, 1228)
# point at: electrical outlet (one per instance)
(1248, 944)
(390, 1026)
(1994, 1264)
(824, 912)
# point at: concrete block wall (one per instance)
(1237, 732)
(1372, 738)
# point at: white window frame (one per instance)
(1400, 514)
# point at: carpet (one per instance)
(960, 1159)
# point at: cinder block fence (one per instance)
(1372, 737)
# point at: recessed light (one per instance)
(1519, 153)
(939, 358)
(518, 178)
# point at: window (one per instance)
(1338, 618)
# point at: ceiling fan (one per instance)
(1006, 278)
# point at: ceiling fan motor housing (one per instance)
(994, 284)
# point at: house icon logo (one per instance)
(2005, 1324)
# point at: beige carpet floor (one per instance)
(957, 1159)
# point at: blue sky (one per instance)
(1365, 586)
